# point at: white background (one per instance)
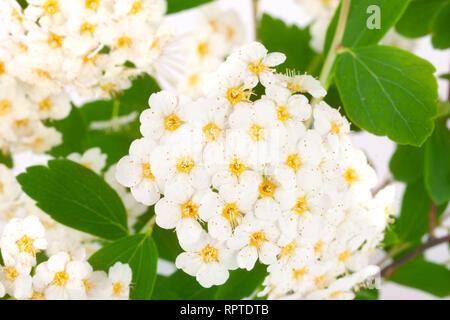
(378, 149)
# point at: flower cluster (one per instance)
(216, 33)
(63, 276)
(92, 48)
(269, 177)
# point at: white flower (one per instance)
(134, 171)
(302, 84)
(208, 260)
(255, 238)
(92, 159)
(9, 189)
(120, 275)
(21, 240)
(17, 283)
(60, 278)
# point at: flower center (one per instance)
(51, 7)
(55, 41)
(209, 254)
(117, 288)
(211, 132)
(294, 86)
(193, 79)
(172, 122)
(185, 164)
(318, 246)
(5, 107)
(288, 249)
(11, 273)
(350, 176)
(298, 273)
(335, 127)
(300, 206)
(202, 49)
(45, 105)
(135, 7)
(2, 68)
(87, 285)
(89, 58)
(237, 94)
(267, 188)
(231, 213)
(92, 4)
(344, 256)
(283, 114)
(147, 171)
(60, 278)
(256, 132)
(87, 28)
(124, 42)
(237, 166)
(37, 296)
(257, 239)
(26, 244)
(293, 161)
(256, 67)
(189, 209)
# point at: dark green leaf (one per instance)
(167, 243)
(292, 41)
(115, 145)
(418, 10)
(367, 294)
(412, 223)
(23, 3)
(437, 163)
(74, 133)
(423, 275)
(407, 163)
(440, 28)
(6, 159)
(445, 76)
(181, 286)
(140, 252)
(76, 197)
(388, 91)
(180, 5)
(242, 283)
(357, 34)
(143, 219)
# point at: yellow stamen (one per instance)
(335, 127)
(185, 165)
(2, 68)
(237, 166)
(11, 273)
(55, 41)
(293, 161)
(135, 7)
(350, 176)
(209, 254)
(257, 239)
(124, 41)
(318, 246)
(172, 122)
(60, 278)
(92, 4)
(147, 172)
(45, 105)
(211, 132)
(5, 107)
(300, 206)
(117, 289)
(87, 28)
(267, 188)
(298, 273)
(344, 256)
(26, 244)
(51, 7)
(202, 49)
(231, 213)
(189, 209)
(282, 114)
(256, 132)
(288, 249)
(256, 67)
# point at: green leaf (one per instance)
(388, 91)
(440, 28)
(412, 223)
(143, 219)
(292, 41)
(367, 294)
(180, 5)
(444, 109)
(23, 3)
(76, 197)
(445, 76)
(167, 243)
(242, 283)
(6, 159)
(115, 145)
(74, 134)
(437, 163)
(417, 19)
(423, 275)
(407, 163)
(140, 252)
(181, 286)
(356, 33)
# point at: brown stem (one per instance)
(389, 270)
(255, 17)
(385, 183)
(432, 219)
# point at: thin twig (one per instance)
(389, 270)
(385, 183)
(432, 216)
(255, 17)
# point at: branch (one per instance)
(389, 270)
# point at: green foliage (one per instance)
(174, 6)
(437, 163)
(139, 251)
(181, 286)
(292, 41)
(6, 159)
(407, 163)
(76, 197)
(23, 3)
(440, 28)
(74, 134)
(423, 275)
(167, 243)
(357, 34)
(388, 91)
(412, 223)
(418, 17)
(367, 294)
